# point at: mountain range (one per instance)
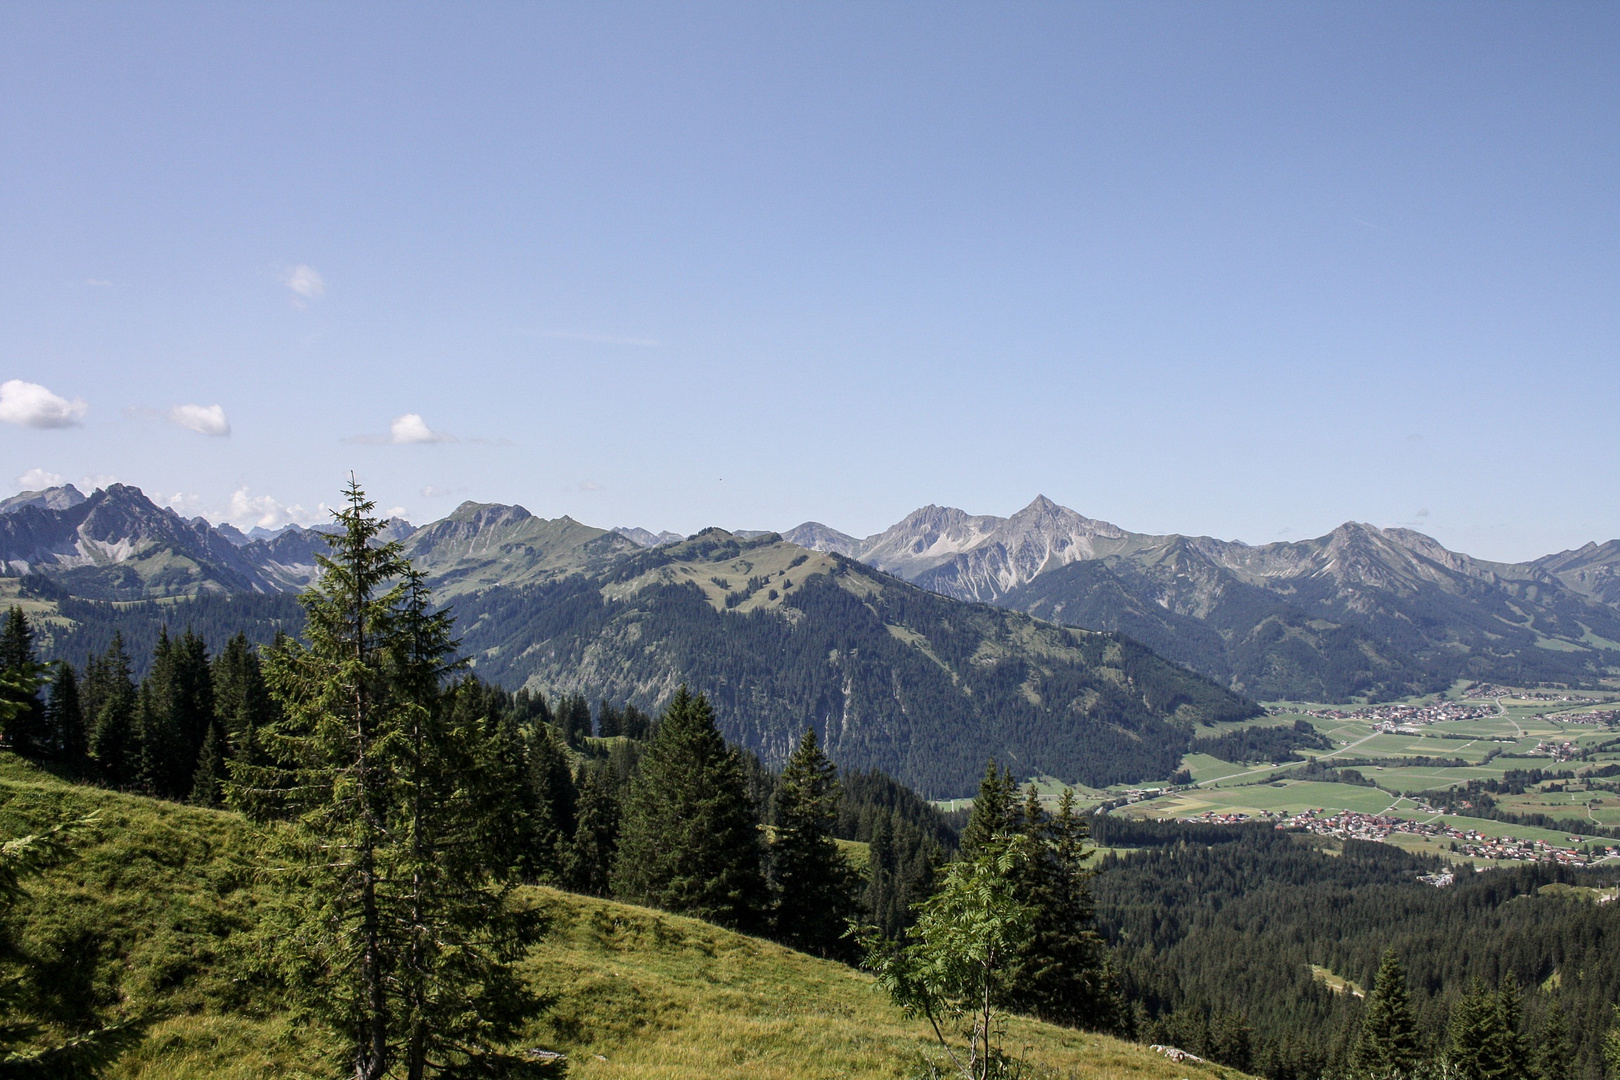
(779, 636)
(1361, 612)
(555, 604)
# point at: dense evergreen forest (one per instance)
(1216, 930)
(876, 699)
(1262, 743)
(214, 617)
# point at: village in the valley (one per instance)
(1486, 774)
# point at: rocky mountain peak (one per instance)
(818, 537)
(488, 515)
(65, 497)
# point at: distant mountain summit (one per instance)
(648, 539)
(1362, 611)
(65, 497)
(779, 636)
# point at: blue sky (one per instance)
(1243, 270)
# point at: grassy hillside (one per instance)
(154, 916)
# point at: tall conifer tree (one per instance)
(813, 883)
(1060, 973)
(398, 814)
(690, 843)
(1555, 1050)
(21, 675)
(1390, 1047)
(550, 783)
(596, 835)
(1486, 1043)
(993, 810)
(64, 720)
(241, 699)
(111, 700)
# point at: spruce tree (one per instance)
(573, 718)
(993, 810)
(1060, 972)
(552, 798)
(64, 720)
(241, 698)
(813, 884)
(634, 724)
(1469, 1031)
(881, 901)
(1486, 1043)
(607, 720)
(398, 813)
(452, 810)
(1555, 1048)
(1514, 1047)
(690, 843)
(175, 713)
(1390, 1046)
(208, 779)
(114, 743)
(21, 675)
(596, 836)
(1611, 1044)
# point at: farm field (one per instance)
(1281, 796)
(1289, 797)
(1488, 737)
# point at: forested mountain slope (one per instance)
(1362, 611)
(1231, 920)
(780, 637)
(892, 676)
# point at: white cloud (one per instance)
(39, 480)
(186, 505)
(100, 480)
(431, 492)
(203, 419)
(395, 512)
(31, 405)
(244, 511)
(247, 511)
(411, 428)
(306, 284)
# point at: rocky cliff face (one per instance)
(1362, 610)
(117, 544)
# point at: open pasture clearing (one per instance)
(1283, 796)
(1574, 804)
(1289, 797)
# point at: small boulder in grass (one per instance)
(547, 1062)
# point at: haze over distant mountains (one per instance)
(1363, 612)
(1360, 611)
